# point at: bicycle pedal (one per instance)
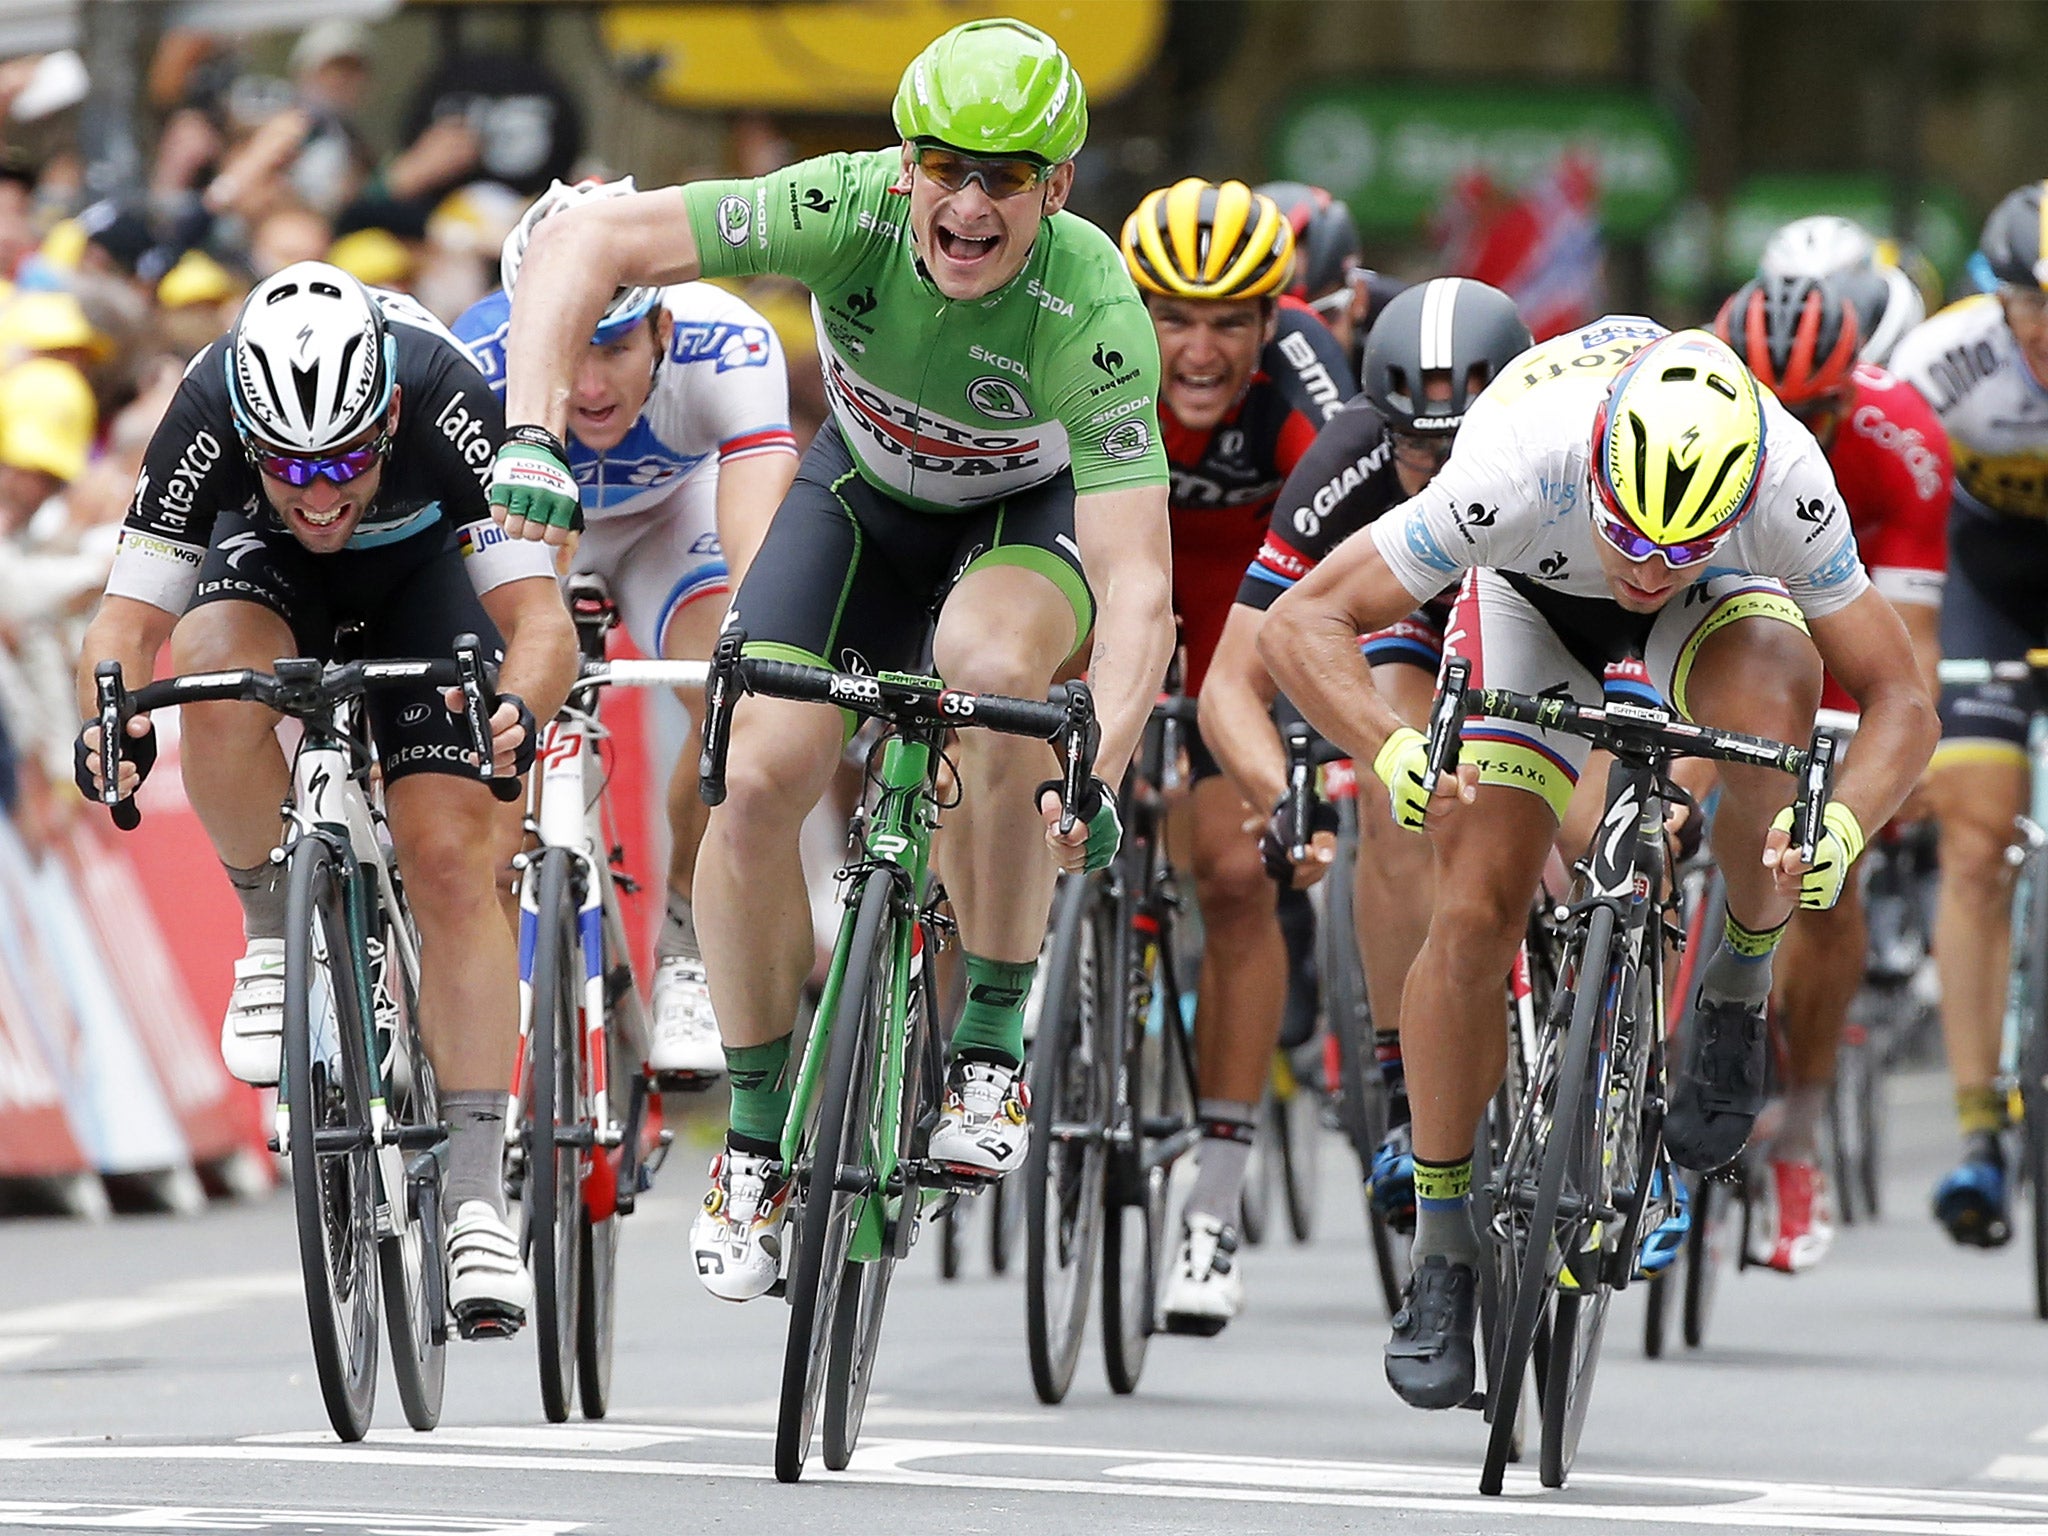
(485, 1320)
(1476, 1402)
(687, 1082)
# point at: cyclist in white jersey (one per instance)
(680, 444)
(1616, 491)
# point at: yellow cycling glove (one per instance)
(1403, 765)
(1841, 841)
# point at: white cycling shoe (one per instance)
(1205, 1291)
(252, 1034)
(984, 1122)
(737, 1236)
(683, 1033)
(489, 1290)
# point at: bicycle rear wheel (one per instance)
(1064, 1171)
(1006, 1204)
(1546, 1143)
(554, 1164)
(1136, 1202)
(597, 1255)
(1717, 1232)
(1301, 1142)
(415, 1265)
(334, 1188)
(864, 1283)
(831, 1147)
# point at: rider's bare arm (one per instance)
(1128, 557)
(1236, 711)
(131, 632)
(1870, 653)
(574, 263)
(1309, 644)
(749, 491)
(1923, 627)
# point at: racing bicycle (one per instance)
(358, 1111)
(867, 1089)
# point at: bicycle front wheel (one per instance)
(334, 1179)
(829, 1160)
(554, 1165)
(1063, 1171)
(415, 1263)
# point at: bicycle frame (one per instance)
(896, 835)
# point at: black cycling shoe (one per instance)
(1430, 1359)
(1719, 1093)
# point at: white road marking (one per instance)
(181, 1517)
(2019, 1469)
(21, 1348)
(159, 1304)
(1442, 1491)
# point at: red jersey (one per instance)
(1890, 458)
(1225, 480)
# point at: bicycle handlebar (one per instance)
(1635, 730)
(1965, 671)
(1066, 717)
(300, 686)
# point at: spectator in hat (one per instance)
(47, 421)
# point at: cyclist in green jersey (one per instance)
(990, 489)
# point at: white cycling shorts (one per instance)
(661, 559)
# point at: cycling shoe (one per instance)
(1430, 1358)
(1972, 1203)
(1391, 1184)
(1717, 1097)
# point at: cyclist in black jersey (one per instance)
(1429, 354)
(324, 465)
(1246, 382)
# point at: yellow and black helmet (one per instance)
(1198, 240)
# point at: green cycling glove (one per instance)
(1402, 764)
(530, 478)
(1840, 842)
(1105, 827)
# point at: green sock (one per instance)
(760, 1091)
(993, 1021)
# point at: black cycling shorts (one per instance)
(411, 598)
(849, 577)
(1994, 607)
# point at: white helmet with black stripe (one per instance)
(1456, 327)
(310, 364)
(628, 306)
(1866, 271)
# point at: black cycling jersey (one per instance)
(1344, 482)
(438, 468)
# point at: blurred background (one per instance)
(157, 158)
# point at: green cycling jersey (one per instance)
(947, 404)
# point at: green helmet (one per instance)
(995, 87)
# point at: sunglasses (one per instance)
(300, 472)
(999, 178)
(1340, 298)
(1637, 547)
(1417, 450)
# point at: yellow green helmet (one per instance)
(995, 87)
(1678, 444)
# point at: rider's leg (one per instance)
(1394, 876)
(1243, 985)
(451, 837)
(691, 634)
(1743, 662)
(235, 772)
(1976, 792)
(1820, 969)
(1004, 629)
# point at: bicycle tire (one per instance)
(1063, 1176)
(949, 1243)
(1528, 1279)
(1870, 1112)
(857, 1328)
(1131, 1267)
(333, 1193)
(596, 1312)
(415, 1278)
(1301, 1149)
(554, 1167)
(1005, 1225)
(1255, 1196)
(1717, 1218)
(824, 1212)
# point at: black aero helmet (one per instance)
(2012, 242)
(1326, 241)
(1455, 326)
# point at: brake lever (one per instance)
(1080, 753)
(1809, 813)
(719, 690)
(479, 703)
(1447, 722)
(1300, 816)
(112, 699)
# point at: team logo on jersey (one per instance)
(1815, 511)
(735, 220)
(1552, 566)
(732, 346)
(996, 398)
(1105, 359)
(817, 201)
(239, 547)
(1131, 440)
(861, 303)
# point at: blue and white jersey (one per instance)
(722, 394)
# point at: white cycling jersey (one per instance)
(1515, 495)
(1967, 364)
(722, 394)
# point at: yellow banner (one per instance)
(847, 55)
